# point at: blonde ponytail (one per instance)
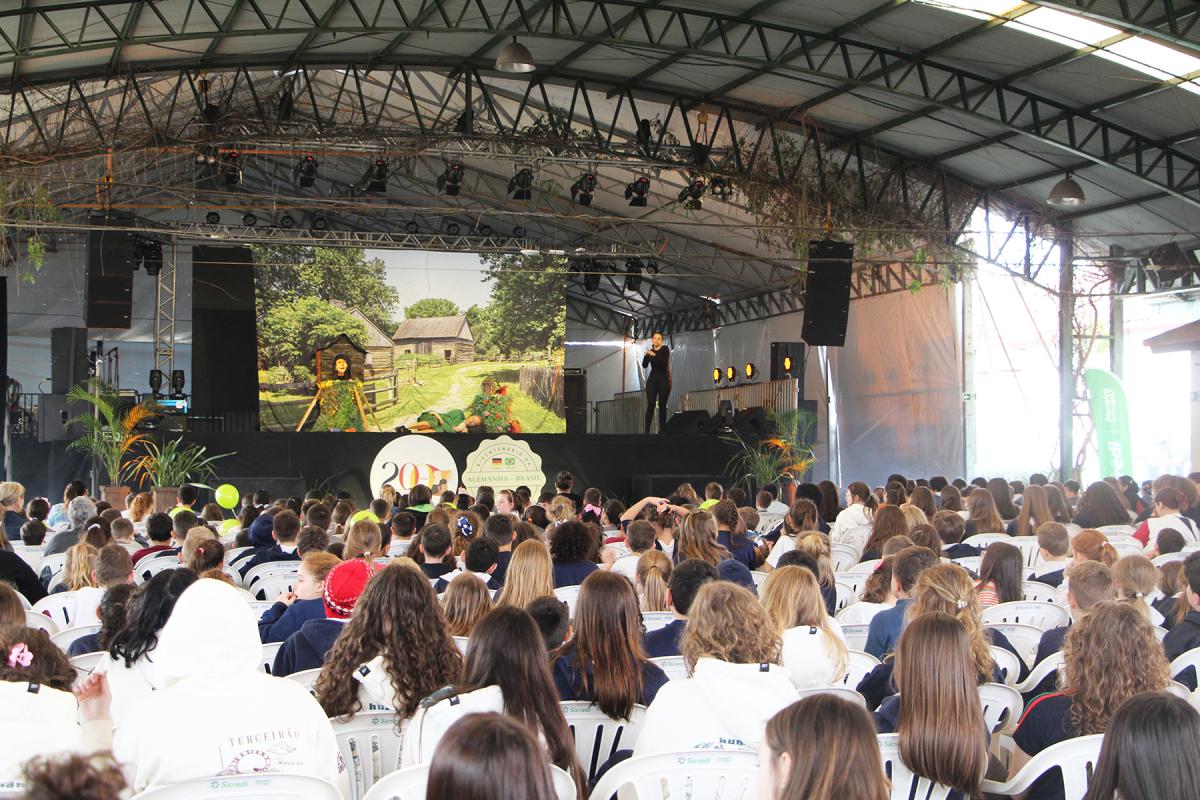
(653, 573)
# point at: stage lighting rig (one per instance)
(633, 274)
(692, 195)
(249, 220)
(652, 267)
(450, 181)
(591, 275)
(520, 185)
(377, 176)
(716, 375)
(319, 223)
(411, 227)
(484, 230)
(156, 383)
(635, 192)
(177, 383)
(287, 222)
(584, 189)
(212, 218)
(231, 167)
(306, 171)
(453, 228)
(730, 374)
(720, 188)
(750, 371)
(150, 253)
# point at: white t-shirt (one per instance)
(785, 544)
(810, 656)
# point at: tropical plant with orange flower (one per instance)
(109, 429)
(788, 453)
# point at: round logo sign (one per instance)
(504, 463)
(408, 460)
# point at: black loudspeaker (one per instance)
(68, 358)
(224, 375)
(110, 263)
(686, 422)
(751, 422)
(787, 360)
(827, 293)
(53, 413)
(575, 400)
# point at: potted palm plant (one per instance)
(109, 433)
(171, 464)
(781, 459)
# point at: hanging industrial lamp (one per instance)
(515, 57)
(1067, 193)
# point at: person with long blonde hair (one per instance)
(561, 509)
(697, 538)
(1136, 580)
(364, 540)
(814, 652)
(466, 601)
(653, 579)
(732, 650)
(913, 515)
(982, 516)
(530, 575)
(816, 545)
(79, 570)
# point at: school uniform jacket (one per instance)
(281, 620)
(307, 647)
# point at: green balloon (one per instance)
(228, 495)
(228, 525)
(366, 513)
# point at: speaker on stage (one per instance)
(787, 360)
(575, 399)
(686, 422)
(109, 279)
(68, 358)
(751, 422)
(827, 293)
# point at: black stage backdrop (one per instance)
(628, 467)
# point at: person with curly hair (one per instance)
(74, 776)
(395, 649)
(570, 544)
(732, 650)
(1110, 655)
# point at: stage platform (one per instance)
(626, 466)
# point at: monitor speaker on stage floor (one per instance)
(686, 422)
(827, 293)
(575, 399)
(787, 360)
(751, 422)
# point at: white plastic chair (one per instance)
(257, 607)
(25, 604)
(398, 547)
(844, 556)
(1133, 548)
(271, 586)
(153, 567)
(266, 570)
(845, 595)
(1115, 530)
(243, 555)
(55, 563)
(568, 594)
(1167, 558)
(461, 643)
(1043, 616)
(708, 774)
(41, 622)
(855, 580)
(259, 786)
(306, 678)
(1051, 663)
(30, 555)
(1191, 658)
(409, 784)
(58, 607)
(370, 747)
(1024, 638)
(855, 636)
(268, 655)
(906, 784)
(674, 666)
(866, 567)
(598, 736)
(1179, 690)
(85, 665)
(1030, 550)
(970, 563)
(838, 691)
(1161, 633)
(1075, 757)
(656, 620)
(64, 638)
(760, 579)
(1038, 592)
(858, 664)
(237, 553)
(982, 540)
(1002, 707)
(1008, 664)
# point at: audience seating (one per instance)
(1189, 659)
(1075, 757)
(270, 568)
(41, 622)
(1115, 530)
(568, 594)
(409, 784)
(1051, 663)
(1023, 638)
(262, 786)
(1161, 633)
(370, 747)
(271, 586)
(1127, 548)
(269, 651)
(30, 555)
(1043, 616)
(865, 567)
(1038, 592)
(708, 774)
(855, 636)
(1002, 707)
(237, 553)
(858, 664)
(855, 580)
(839, 691)
(54, 563)
(306, 678)
(461, 643)
(982, 540)
(845, 595)
(1179, 690)
(844, 556)
(969, 563)
(906, 785)
(155, 566)
(674, 666)
(1030, 550)
(598, 736)
(64, 638)
(85, 665)
(1008, 664)
(257, 607)
(654, 620)
(58, 607)
(1167, 558)
(760, 580)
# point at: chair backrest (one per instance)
(656, 620)
(855, 636)
(1167, 558)
(260, 786)
(854, 580)
(845, 595)
(237, 553)
(858, 664)
(398, 547)
(1028, 545)
(58, 607)
(1023, 638)
(568, 594)
(25, 604)
(1049, 664)
(257, 607)
(41, 622)
(306, 678)
(708, 774)
(865, 567)
(370, 747)
(406, 784)
(268, 654)
(1132, 548)
(1161, 633)
(270, 568)
(155, 556)
(1075, 757)
(1008, 664)
(905, 783)
(844, 556)
(598, 736)
(982, 540)
(271, 586)
(839, 691)
(1115, 530)
(1040, 615)
(461, 643)
(674, 666)
(85, 665)
(1191, 658)
(760, 579)
(970, 563)
(30, 555)
(154, 566)
(1002, 707)
(1038, 592)
(64, 638)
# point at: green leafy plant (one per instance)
(109, 431)
(175, 463)
(787, 454)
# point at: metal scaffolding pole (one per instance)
(1066, 345)
(164, 314)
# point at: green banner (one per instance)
(1110, 415)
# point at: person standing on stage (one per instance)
(658, 383)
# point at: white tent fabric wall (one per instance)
(898, 387)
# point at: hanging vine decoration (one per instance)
(25, 207)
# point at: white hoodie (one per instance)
(852, 516)
(723, 706)
(215, 712)
(41, 723)
(429, 725)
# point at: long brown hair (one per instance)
(1035, 509)
(889, 522)
(489, 757)
(608, 643)
(467, 600)
(1110, 655)
(922, 498)
(846, 765)
(802, 516)
(697, 538)
(1002, 494)
(363, 541)
(398, 617)
(981, 509)
(1056, 501)
(654, 575)
(860, 491)
(792, 598)
(942, 733)
(1103, 505)
(530, 575)
(951, 498)
(1136, 577)
(1003, 566)
(728, 623)
(948, 589)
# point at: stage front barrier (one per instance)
(625, 413)
(777, 396)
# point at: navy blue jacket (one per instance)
(13, 521)
(568, 678)
(1182, 637)
(665, 640)
(742, 551)
(503, 559)
(307, 647)
(436, 569)
(572, 573)
(280, 620)
(14, 570)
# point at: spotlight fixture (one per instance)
(720, 188)
(1067, 193)
(249, 220)
(584, 189)
(484, 230)
(377, 176)
(231, 166)
(150, 253)
(633, 274)
(591, 276)
(212, 218)
(515, 57)
(750, 371)
(450, 181)
(691, 194)
(635, 192)
(177, 383)
(319, 223)
(156, 382)
(519, 232)
(306, 171)
(716, 374)
(787, 364)
(652, 267)
(287, 222)
(411, 226)
(520, 185)
(453, 228)
(730, 374)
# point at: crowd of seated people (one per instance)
(799, 628)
